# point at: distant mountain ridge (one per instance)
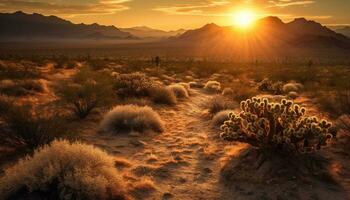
(20, 25)
(146, 32)
(269, 36)
(345, 31)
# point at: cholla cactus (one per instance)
(276, 126)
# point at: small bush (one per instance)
(212, 86)
(22, 87)
(9, 70)
(267, 85)
(63, 170)
(89, 90)
(219, 103)
(186, 86)
(129, 118)
(293, 95)
(194, 84)
(179, 90)
(27, 127)
(292, 87)
(220, 117)
(227, 92)
(163, 95)
(276, 127)
(335, 103)
(133, 85)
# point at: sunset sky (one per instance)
(175, 14)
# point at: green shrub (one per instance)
(128, 118)
(276, 126)
(63, 170)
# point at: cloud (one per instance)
(203, 9)
(72, 8)
(286, 3)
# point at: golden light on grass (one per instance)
(244, 18)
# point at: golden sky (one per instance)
(175, 14)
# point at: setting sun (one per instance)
(244, 18)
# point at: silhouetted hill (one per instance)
(344, 31)
(269, 36)
(20, 25)
(146, 32)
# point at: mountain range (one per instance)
(24, 26)
(344, 30)
(146, 32)
(269, 36)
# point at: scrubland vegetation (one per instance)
(117, 128)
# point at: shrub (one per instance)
(129, 118)
(179, 90)
(89, 90)
(292, 87)
(27, 127)
(227, 92)
(276, 126)
(267, 85)
(186, 86)
(63, 170)
(335, 102)
(243, 91)
(21, 87)
(212, 86)
(133, 85)
(220, 117)
(163, 95)
(219, 103)
(293, 95)
(194, 84)
(9, 70)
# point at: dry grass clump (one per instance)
(22, 87)
(27, 127)
(129, 118)
(18, 70)
(335, 103)
(212, 86)
(186, 86)
(179, 90)
(267, 85)
(293, 95)
(292, 87)
(194, 84)
(143, 189)
(220, 117)
(227, 92)
(163, 95)
(88, 90)
(219, 103)
(63, 170)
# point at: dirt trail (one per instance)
(183, 161)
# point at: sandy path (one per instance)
(183, 161)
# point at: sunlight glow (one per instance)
(244, 18)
